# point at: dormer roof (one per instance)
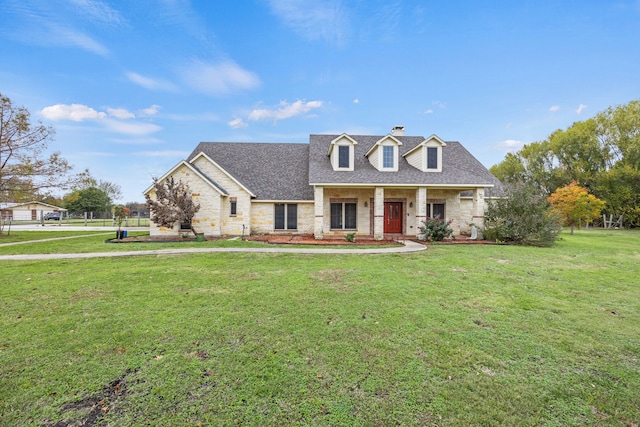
(340, 138)
(432, 138)
(383, 140)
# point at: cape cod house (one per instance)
(336, 184)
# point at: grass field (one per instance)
(453, 336)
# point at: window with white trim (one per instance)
(388, 157)
(286, 216)
(343, 156)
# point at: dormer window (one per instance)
(427, 156)
(342, 153)
(343, 156)
(432, 158)
(387, 157)
(383, 155)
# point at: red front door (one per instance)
(393, 217)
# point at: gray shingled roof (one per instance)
(281, 171)
(458, 165)
(271, 171)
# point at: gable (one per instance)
(205, 162)
(189, 170)
(427, 156)
(341, 153)
(383, 155)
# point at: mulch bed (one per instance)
(303, 239)
(309, 239)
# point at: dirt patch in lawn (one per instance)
(89, 410)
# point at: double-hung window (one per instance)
(387, 157)
(286, 216)
(344, 216)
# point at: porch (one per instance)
(386, 212)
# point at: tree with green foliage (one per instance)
(522, 216)
(602, 153)
(114, 191)
(88, 200)
(575, 205)
(26, 173)
(620, 188)
(170, 203)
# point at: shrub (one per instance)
(521, 217)
(350, 237)
(436, 230)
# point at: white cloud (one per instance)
(356, 101)
(237, 123)
(73, 112)
(120, 113)
(151, 111)
(69, 37)
(285, 110)
(554, 108)
(327, 20)
(510, 145)
(581, 107)
(150, 83)
(98, 11)
(429, 111)
(131, 128)
(219, 79)
(114, 121)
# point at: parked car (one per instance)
(53, 215)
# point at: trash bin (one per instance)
(124, 234)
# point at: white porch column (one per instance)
(421, 207)
(318, 212)
(378, 214)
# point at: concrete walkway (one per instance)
(409, 246)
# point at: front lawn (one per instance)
(455, 335)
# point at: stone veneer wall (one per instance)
(215, 218)
(262, 218)
(456, 210)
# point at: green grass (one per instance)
(456, 335)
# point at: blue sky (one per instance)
(131, 87)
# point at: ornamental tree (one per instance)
(172, 203)
(575, 205)
(120, 213)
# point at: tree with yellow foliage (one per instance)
(574, 203)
